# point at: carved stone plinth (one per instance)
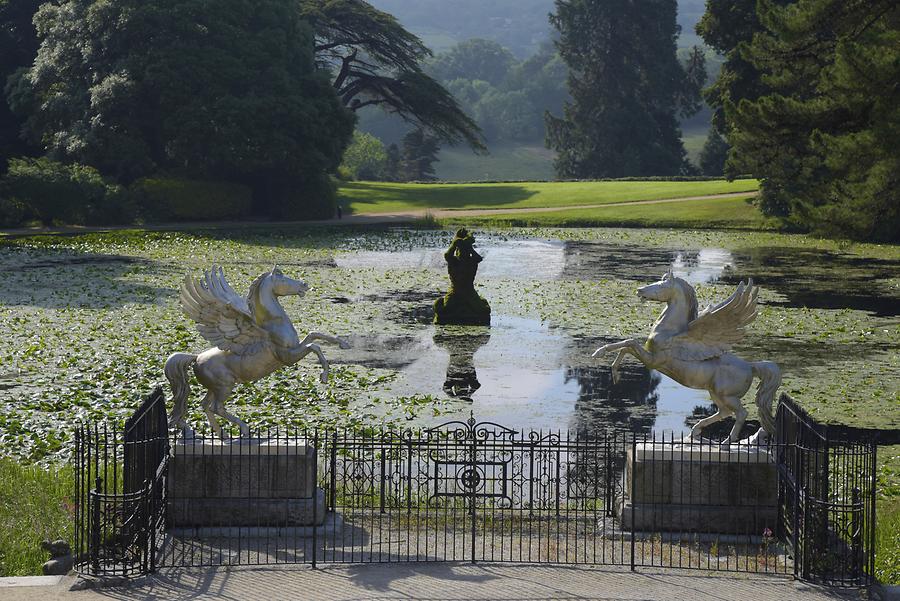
(699, 488)
(243, 482)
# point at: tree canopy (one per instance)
(224, 89)
(375, 61)
(628, 89)
(18, 46)
(819, 123)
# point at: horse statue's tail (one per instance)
(769, 380)
(177, 366)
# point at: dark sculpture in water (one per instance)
(462, 305)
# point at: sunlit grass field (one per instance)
(380, 197)
(726, 213)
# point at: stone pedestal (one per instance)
(699, 487)
(243, 483)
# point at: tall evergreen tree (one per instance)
(628, 89)
(823, 136)
(420, 152)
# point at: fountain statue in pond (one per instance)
(462, 305)
(253, 337)
(692, 349)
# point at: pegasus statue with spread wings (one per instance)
(252, 338)
(693, 347)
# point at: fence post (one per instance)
(333, 468)
(95, 525)
(856, 530)
(315, 520)
(629, 490)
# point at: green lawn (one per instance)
(728, 213)
(35, 504)
(377, 197)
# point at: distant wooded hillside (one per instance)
(520, 25)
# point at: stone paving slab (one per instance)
(431, 582)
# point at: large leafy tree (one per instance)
(474, 59)
(376, 62)
(628, 89)
(18, 47)
(823, 135)
(202, 88)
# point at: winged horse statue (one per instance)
(692, 349)
(252, 338)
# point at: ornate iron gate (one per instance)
(468, 491)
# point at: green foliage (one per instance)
(173, 199)
(420, 152)
(57, 193)
(365, 158)
(193, 85)
(725, 26)
(18, 46)
(35, 504)
(819, 122)
(627, 88)
(507, 98)
(475, 59)
(376, 62)
(714, 154)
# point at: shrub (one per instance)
(58, 193)
(313, 197)
(365, 158)
(12, 212)
(176, 199)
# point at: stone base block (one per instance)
(254, 512)
(699, 487)
(255, 482)
(650, 517)
(241, 467)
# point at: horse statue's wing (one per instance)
(222, 316)
(718, 327)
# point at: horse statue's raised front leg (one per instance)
(631, 346)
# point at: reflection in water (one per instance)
(628, 405)
(703, 266)
(595, 260)
(462, 380)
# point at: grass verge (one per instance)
(713, 213)
(378, 197)
(887, 516)
(35, 504)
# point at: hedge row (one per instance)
(52, 192)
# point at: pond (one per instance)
(89, 320)
(524, 373)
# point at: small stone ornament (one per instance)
(462, 305)
(253, 337)
(61, 560)
(692, 347)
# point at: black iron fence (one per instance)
(480, 492)
(120, 492)
(826, 497)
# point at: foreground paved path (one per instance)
(431, 582)
(364, 219)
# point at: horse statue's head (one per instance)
(285, 286)
(262, 300)
(671, 289)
